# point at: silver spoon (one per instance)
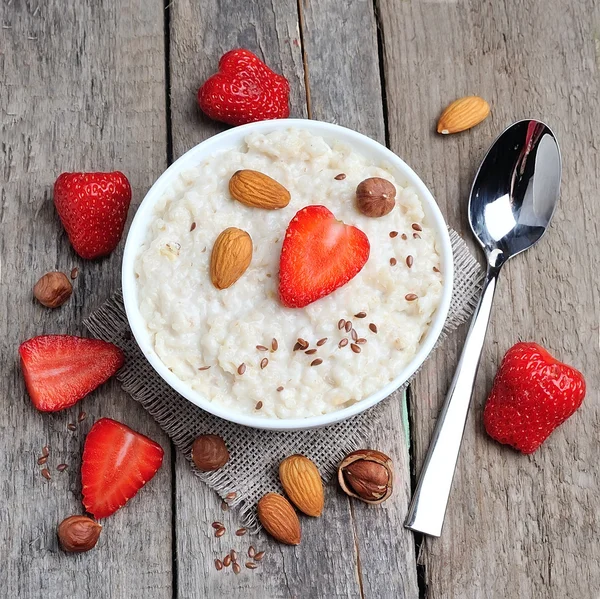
(513, 197)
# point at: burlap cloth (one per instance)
(255, 454)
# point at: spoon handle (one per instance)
(428, 506)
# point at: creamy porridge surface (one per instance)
(193, 325)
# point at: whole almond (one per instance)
(463, 114)
(258, 190)
(231, 256)
(302, 483)
(279, 519)
(53, 289)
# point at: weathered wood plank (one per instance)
(348, 92)
(516, 526)
(81, 87)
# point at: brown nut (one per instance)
(367, 475)
(78, 533)
(375, 197)
(209, 452)
(53, 289)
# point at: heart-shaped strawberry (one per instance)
(533, 393)
(319, 254)
(244, 90)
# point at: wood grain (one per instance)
(516, 526)
(81, 88)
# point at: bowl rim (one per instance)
(230, 138)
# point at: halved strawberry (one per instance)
(117, 463)
(60, 370)
(319, 254)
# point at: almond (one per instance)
(258, 190)
(463, 114)
(279, 519)
(302, 483)
(231, 256)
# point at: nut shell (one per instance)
(279, 519)
(463, 114)
(209, 453)
(78, 533)
(375, 197)
(231, 256)
(53, 289)
(302, 483)
(257, 190)
(368, 475)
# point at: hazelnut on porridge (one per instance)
(240, 345)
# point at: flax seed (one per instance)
(74, 273)
(297, 346)
(417, 227)
(436, 269)
(218, 564)
(251, 551)
(224, 506)
(192, 227)
(71, 426)
(355, 348)
(279, 389)
(354, 334)
(361, 341)
(62, 467)
(45, 451)
(310, 352)
(411, 297)
(227, 561)
(341, 324)
(220, 532)
(348, 326)
(203, 368)
(393, 234)
(321, 341)
(262, 348)
(409, 261)
(274, 344)
(46, 474)
(241, 368)
(216, 525)
(259, 405)
(303, 343)
(340, 177)
(393, 261)
(259, 556)
(42, 460)
(416, 236)
(404, 237)
(373, 328)
(343, 343)
(236, 568)
(316, 362)
(360, 315)
(82, 416)
(231, 495)
(263, 363)
(251, 565)
(240, 532)
(233, 555)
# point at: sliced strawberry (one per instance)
(117, 463)
(319, 254)
(60, 370)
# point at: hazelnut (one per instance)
(53, 289)
(78, 533)
(375, 197)
(209, 452)
(367, 475)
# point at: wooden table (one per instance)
(111, 84)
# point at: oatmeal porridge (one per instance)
(239, 346)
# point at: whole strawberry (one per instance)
(93, 210)
(532, 394)
(244, 90)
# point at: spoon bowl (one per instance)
(512, 201)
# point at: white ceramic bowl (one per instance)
(234, 138)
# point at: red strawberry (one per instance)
(117, 463)
(93, 210)
(60, 370)
(244, 90)
(532, 394)
(319, 254)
